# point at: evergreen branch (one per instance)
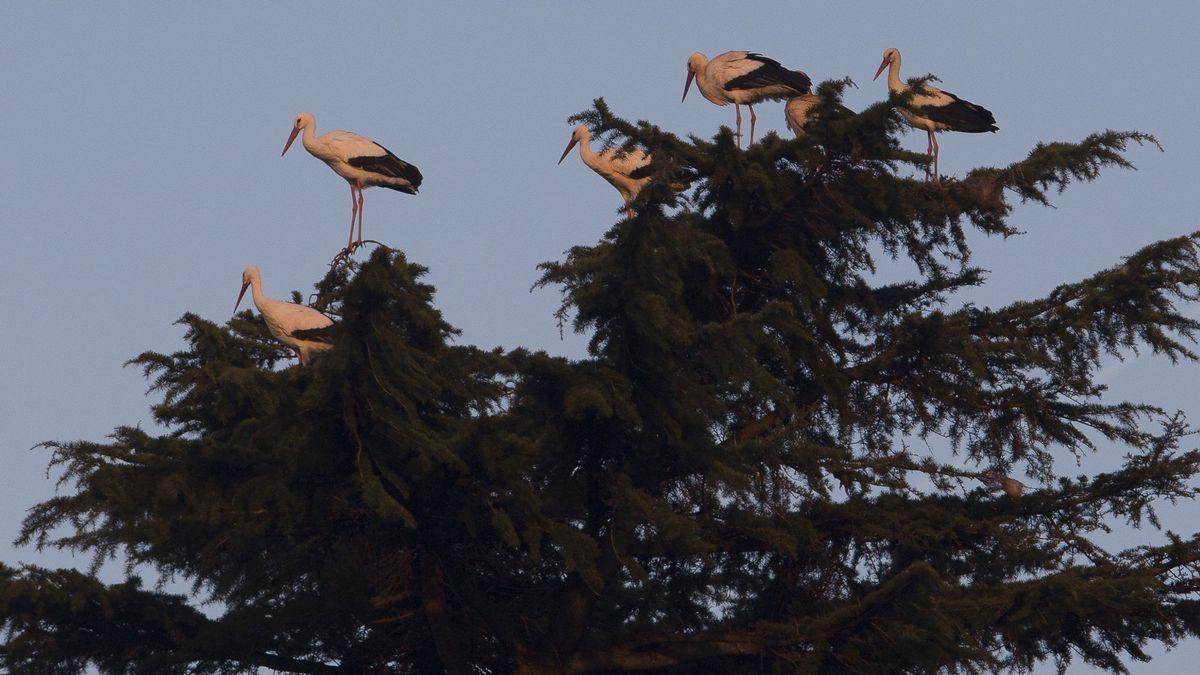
(62, 621)
(667, 652)
(1055, 165)
(285, 664)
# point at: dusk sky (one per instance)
(140, 168)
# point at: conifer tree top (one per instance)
(768, 461)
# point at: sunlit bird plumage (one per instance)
(743, 78)
(934, 110)
(361, 161)
(615, 166)
(304, 329)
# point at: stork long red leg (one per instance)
(753, 118)
(928, 150)
(738, 109)
(360, 216)
(353, 215)
(937, 176)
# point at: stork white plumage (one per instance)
(797, 109)
(935, 110)
(997, 480)
(361, 161)
(802, 109)
(743, 78)
(614, 167)
(304, 329)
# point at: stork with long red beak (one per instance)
(743, 78)
(304, 329)
(934, 110)
(615, 167)
(361, 161)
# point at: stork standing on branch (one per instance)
(361, 161)
(934, 110)
(613, 166)
(802, 109)
(797, 110)
(304, 329)
(743, 78)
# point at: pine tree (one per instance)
(726, 484)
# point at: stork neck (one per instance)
(256, 291)
(585, 152)
(708, 89)
(894, 83)
(310, 136)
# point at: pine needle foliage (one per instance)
(728, 483)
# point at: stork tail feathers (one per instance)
(390, 166)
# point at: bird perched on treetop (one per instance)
(361, 161)
(934, 110)
(304, 329)
(802, 109)
(743, 78)
(613, 166)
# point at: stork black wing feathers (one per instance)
(771, 72)
(322, 334)
(960, 115)
(392, 166)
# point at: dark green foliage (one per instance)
(675, 501)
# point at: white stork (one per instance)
(996, 480)
(361, 161)
(743, 78)
(796, 111)
(304, 329)
(935, 110)
(614, 167)
(800, 110)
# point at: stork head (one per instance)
(695, 64)
(249, 276)
(890, 55)
(303, 121)
(579, 133)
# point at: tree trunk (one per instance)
(433, 601)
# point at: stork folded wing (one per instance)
(769, 73)
(389, 165)
(322, 334)
(960, 115)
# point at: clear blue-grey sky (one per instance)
(140, 168)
